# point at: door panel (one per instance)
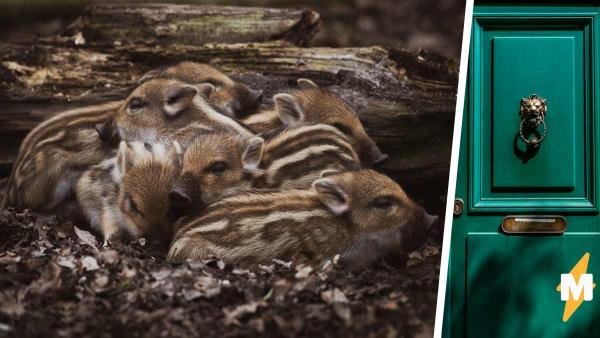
(512, 58)
(524, 64)
(512, 280)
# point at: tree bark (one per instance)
(164, 24)
(406, 100)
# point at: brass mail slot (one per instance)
(534, 224)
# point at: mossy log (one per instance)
(406, 100)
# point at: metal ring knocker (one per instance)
(532, 112)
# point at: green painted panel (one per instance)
(552, 57)
(512, 280)
(524, 65)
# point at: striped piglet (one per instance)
(360, 215)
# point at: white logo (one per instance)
(571, 290)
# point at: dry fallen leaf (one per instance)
(231, 316)
(267, 268)
(161, 274)
(66, 262)
(89, 263)
(334, 296)
(86, 237)
(191, 294)
(208, 285)
(303, 271)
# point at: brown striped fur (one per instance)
(53, 156)
(295, 157)
(360, 215)
(231, 98)
(313, 105)
(127, 196)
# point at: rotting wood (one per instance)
(164, 24)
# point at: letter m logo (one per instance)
(571, 289)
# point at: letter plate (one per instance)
(534, 224)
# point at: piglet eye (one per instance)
(134, 207)
(384, 202)
(136, 104)
(217, 168)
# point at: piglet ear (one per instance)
(205, 90)
(289, 109)
(307, 84)
(257, 95)
(253, 153)
(178, 97)
(332, 195)
(180, 200)
(107, 132)
(124, 158)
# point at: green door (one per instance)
(503, 283)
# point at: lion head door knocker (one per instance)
(532, 112)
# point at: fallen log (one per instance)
(164, 24)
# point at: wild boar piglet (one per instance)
(360, 215)
(128, 196)
(229, 97)
(54, 155)
(162, 109)
(313, 105)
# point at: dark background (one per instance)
(435, 25)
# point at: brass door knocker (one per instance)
(532, 112)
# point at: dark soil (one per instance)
(56, 280)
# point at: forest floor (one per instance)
(56, 280)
